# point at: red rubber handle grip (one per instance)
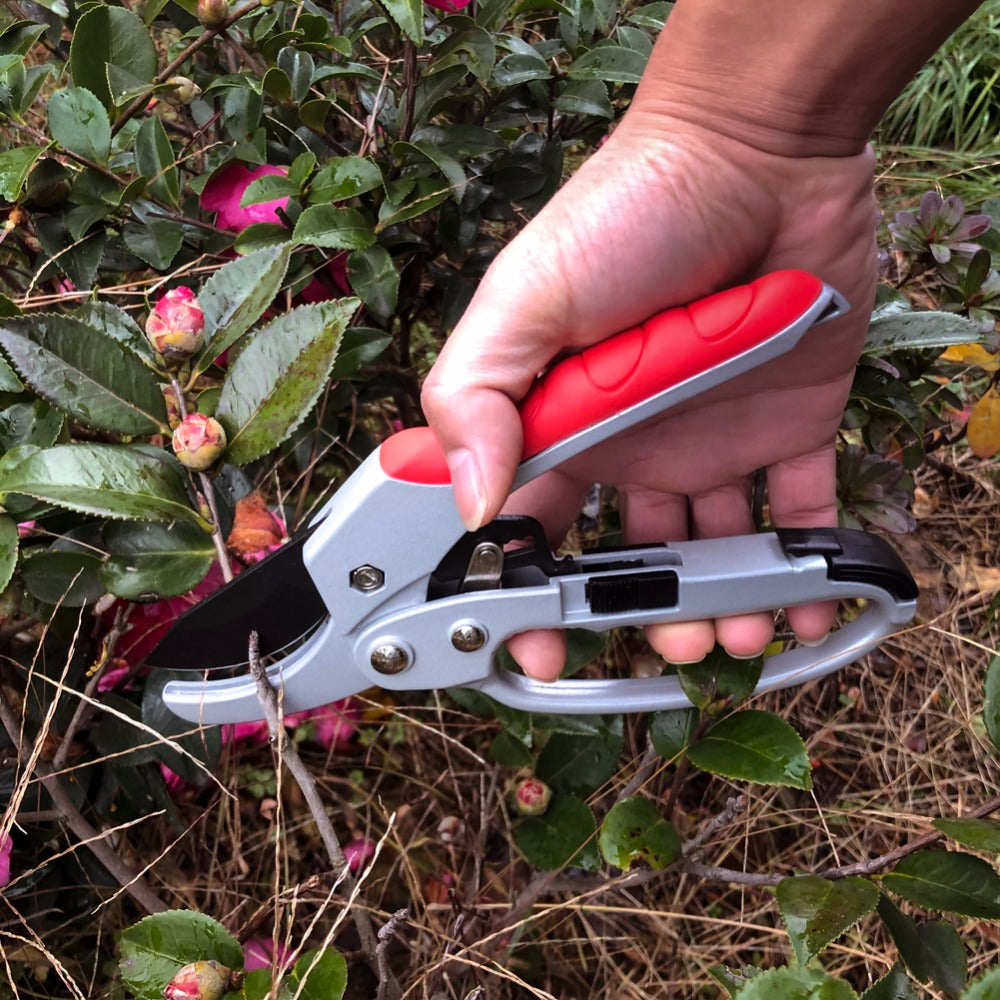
(628, 368)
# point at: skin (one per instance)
(739, 156)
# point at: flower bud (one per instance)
(182, 90)
(207, 980)
(359, 852)
(199, 442)
(176, 326)
(211, 13)
(532, 797)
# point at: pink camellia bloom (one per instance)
(176, 326)
(224, 191)
(358, 853)
(6, 846)
(259, 953)
(199, 441)
(448, 6)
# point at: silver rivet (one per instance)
(468, 638)
(367, 578)
(390, 658)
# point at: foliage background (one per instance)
(412, 143)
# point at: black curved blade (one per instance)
(276, 598)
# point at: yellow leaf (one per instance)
(983, 429)
(972, 354)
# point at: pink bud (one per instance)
(199, 442)
(359, 852)
(207, 980)
(6, 846)
(176, 326)
(532, 797)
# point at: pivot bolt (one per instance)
(390, 658)
(468, 637)
(367, 578)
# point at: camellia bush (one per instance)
(235, 236)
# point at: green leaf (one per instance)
(236, 296)
(671, 732)
(949, 881)
(118, 325)
(580, 763)
(261, 236)
(344, 177)
(409, 16)
(720, 677)
(84, 372)
(116, 481)
(521, 67)
(817, 911)
(14, 166)
(429, 152)
(985, 988)
(156, 242)
(155, 948)
(508, 751)
(612, 63)
(9, 382)
(8, 549)
(333, 228)
(733, 980)
(894, 985)
(35, 423)
(320, 974)
(60, 577)
(278, 376)
(155, 560)
(991, 702)
(585, 97)
(564, 835)
(947, 962)
(905, 935)
(154, 160)
(796, 983)
(270, 187)
(918, 331)
(635, 834)
(360, 346)
(375, 280)
(979, 834)
(754, 746)
(79, 123)
(108, 35)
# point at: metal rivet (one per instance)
(367, 578)
(390, 658)
(468, 638)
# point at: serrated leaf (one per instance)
(68, 578)
(155, 948)
(85, 373)
(508, 751)
(8, 549)
(564, 835)
(720, 677)
(613, 63)
(80, 124)
(270, 187)
(671, 732)
(983, 428)
(585, 97)
(817, 911)
(894, 985)
(375, 280)
(35, 423)
(796, 983)
(635, 834)
(278, 376)
(918, 331)
(979, 834)
(116, 481)
(320, 974)
(155, 560)
(991, 702)
(333, 228)
(118, 325)
(107, 35)
(9, 382)
(236, 296)
(409, 17)
(947, 880)
(261, 236)
(581, 763)
(14, 166)
(360, 346)
(754, 746)
(985, 988)
(154, 160)
(344, 177)
(155, 242)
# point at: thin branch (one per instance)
(385, 935)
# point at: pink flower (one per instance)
(25, 528)
(198, 442)
(6, 846)
(261, 954)
(208, 980)
(448, 6)
(223, 192)
(358, 853)
(176, 326)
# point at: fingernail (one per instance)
(812, 643)
(470, 493)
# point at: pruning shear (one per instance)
(385, 586)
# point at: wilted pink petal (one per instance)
(110, 679)
(245, 732)
(358, 853)
(6, 846)
(259, 953)
(334, 725)
(448, 6)
(223, 192)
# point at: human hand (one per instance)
(665, 213)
